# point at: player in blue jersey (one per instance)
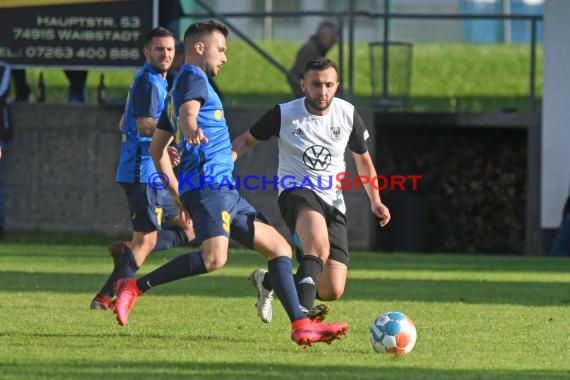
(149, 204)
(194, 119)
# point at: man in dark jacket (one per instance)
(317, 46)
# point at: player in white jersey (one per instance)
(314, 133)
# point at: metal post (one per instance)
(268, 21)
(385, 51)
(532, 90)
(350, 90)
(507, 22)
(340, 62)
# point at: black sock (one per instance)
(125, 267)
(306, 279)
(189, 264)
(267, 281)
(282, 281)
(168, 237)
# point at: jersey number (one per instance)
(226, 221)
(158, 212)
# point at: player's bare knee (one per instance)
(272, 245)
(321, 254)
(318, 248)
(283, 249)
(271, 254)
(214, 261)
(330, 294)
(337, 294)
(143, 243)
(149, 243)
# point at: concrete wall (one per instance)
(60, 171)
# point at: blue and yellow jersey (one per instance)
(211, 161)
(146, 98)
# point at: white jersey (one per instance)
(311, 147)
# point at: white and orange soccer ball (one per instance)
(393, 332)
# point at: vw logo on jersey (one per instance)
(336, 133)
(317, 157)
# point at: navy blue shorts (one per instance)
(148, 207)
(222, 212)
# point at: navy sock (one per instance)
(125, 267)
(284, 286)
(188, 264)
(168, 237)
(306, 279)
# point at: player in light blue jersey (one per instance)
(149, 204)
(195, 120)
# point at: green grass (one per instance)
(445, 77)
(478, 317)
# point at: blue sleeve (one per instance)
(146, 98)
(192, 86)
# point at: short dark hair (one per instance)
(319, 64)
(326, 24)
(204, 27)
(158, 32)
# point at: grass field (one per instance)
(478, 317)
(445, 77)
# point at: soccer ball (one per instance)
(393, 332)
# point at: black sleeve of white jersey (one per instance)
(163, 122)
(268, 125)
(357, 142)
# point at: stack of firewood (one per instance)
(472, 192)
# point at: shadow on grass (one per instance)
(469, 292)
(60, 238)
(53, 249)
(149, 369)
(457, 262)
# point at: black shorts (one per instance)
(289, 203)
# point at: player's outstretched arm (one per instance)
(242, 144)
(158, 151)
(161, 140)
(365, 168)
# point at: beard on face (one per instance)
(314, 103)
(160, 69)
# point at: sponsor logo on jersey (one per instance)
(336, 133)
(297, 131)
(317, 157)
